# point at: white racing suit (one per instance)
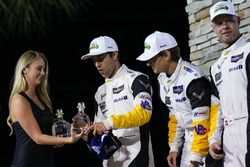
(187, 95)
(125, 105)
(230, 76)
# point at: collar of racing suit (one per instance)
(238, 43)
(163, 76)
(119, 73)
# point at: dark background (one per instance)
(72, 80)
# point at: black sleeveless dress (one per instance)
(27, 152)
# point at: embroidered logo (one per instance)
(221, 7)
(103, 95)
(120, 99)
(200, 130)
(118, 89)
(94, 46)
(181, 100)
(146, 105)
(236, 58)
(199, 96)
(178, 89)
(167, 100)
(217, 76)
(235, 68)
(146, 46)
(102, 106)
(146, 85)
(188, 69)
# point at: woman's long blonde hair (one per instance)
(20, 84)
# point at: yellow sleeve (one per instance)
(175, 134)
(201, 130)
(213, 117)
(216, 122)
(172, 125)
(136, 117)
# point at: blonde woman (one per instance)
(30, 114)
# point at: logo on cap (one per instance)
(163, 46)
(94, 46)
(146, 46)
(222, 7)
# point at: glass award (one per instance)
(80, 119)
(60, 127)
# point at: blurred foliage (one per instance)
(28, 18)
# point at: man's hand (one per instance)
(172, 156)
(99, 128)
(216, 151)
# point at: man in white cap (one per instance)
(229, 76)
(124, 105)
(186, 93)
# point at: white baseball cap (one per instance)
(100, 45)
(222, 7)
(155, 43)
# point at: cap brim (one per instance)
(91, 55)
(146, 56)
(223, 13)
(87, 56)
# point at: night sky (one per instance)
(72, 80)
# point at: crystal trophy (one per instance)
(60, 127)
(80, 119)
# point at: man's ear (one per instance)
(115, 56)
(212, 25)
(167, 55)
(238, 20)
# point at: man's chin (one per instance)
(103, 75)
